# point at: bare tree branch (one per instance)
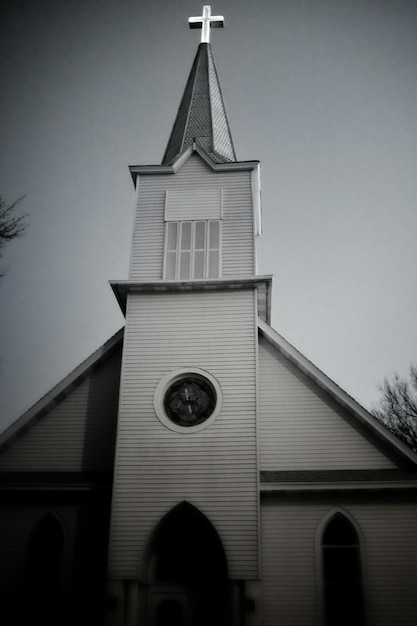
(397, 407)
(11, 225)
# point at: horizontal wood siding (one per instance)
(390, 533)
(78, 433)
(215, 469)
(301, 427)
(288, 564)
(290, 572)
(195, 204)
(195, 177)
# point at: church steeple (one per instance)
(201, 117)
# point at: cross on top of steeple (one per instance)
(201, 119)
(205, 22)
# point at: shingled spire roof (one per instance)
(201, 117)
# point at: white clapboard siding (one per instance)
(301, 427)
(290, 562)
(390, 531)
(214, 469)
(194, 180)
(78, 433)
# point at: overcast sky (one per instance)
(322, 92)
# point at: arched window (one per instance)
(43, 575)
(342, 574)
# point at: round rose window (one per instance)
(187, 400)
(190, 400)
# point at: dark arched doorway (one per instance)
(187, 571)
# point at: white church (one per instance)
(197, 470)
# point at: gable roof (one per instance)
(77, 376)
(60, 391)
(335, 392)
(201, 116)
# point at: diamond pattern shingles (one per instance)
(201, 116)
(222, 139)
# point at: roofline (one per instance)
(122, 288)
(179, 161)
(59, 392)
(56, 481)
(333, 390)
(284, 487)
(337, 480)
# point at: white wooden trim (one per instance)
(122, 288)
(137, 170)
(257, 434)
(256, 199)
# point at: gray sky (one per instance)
(322, 92)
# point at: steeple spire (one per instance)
(201, 117)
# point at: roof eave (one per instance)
(122, 288)
(60, 391)
(333, 390)
(181, 159)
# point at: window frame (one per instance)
(172, 377)
(320, 573)
(192, 250)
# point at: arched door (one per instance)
(187, 572)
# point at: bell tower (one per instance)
(186, 465)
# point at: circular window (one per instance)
(187, 400)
